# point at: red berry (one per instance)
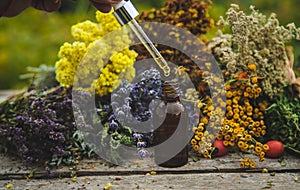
(221, 149)
(276, 149)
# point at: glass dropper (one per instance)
(125, 13)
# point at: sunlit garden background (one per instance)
(33, 38)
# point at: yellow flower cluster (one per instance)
(108, 22)
(203, 138)
(110, 75)
(259, 149)
(86, 31)
(108, 72)
(247, 163)
(70, 56)
(243, 122)
(244, 117)
(211, 115)
(108, 80)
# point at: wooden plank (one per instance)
(4, 94)
(231, 161)
(207, 181)
(12, 169)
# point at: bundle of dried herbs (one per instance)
(256, 46)
(191, 15)
(38, 127)
(284, 124)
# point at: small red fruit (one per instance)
(276, 149)
(221, 149)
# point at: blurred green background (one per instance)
(34, 37)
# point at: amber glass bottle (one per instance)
(174, 113)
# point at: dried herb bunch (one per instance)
(242, 127)
(38, 127)
(283, 120)
(254, 61)
(255, 41)
(93, 72)
(191, 15)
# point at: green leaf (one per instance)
(59, 161)
(89, 154)
(195, 159)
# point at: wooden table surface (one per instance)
(216, 173)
